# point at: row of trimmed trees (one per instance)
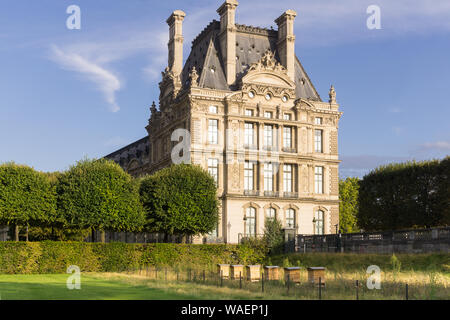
(397, 196)
(97, 195)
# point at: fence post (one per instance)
(357, 287)
(320, 288)
(288, 280)
(406, 289)
(221, 278)
(240, 279)
(262, 283)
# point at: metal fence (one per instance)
(402, 241)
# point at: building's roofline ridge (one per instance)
(212, 25)
(126, 147)
(256, 30)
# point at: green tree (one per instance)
(180, 200)
(349, 206)
(98, 194)
(27, 197)
(274, 236)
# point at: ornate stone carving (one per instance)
(193, 76)
(268, 63)
(332, 95)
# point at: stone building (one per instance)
(253, 119)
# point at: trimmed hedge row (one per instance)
(55, 257)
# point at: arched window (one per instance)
(250, 221)
(290, 218)
(318, 222)
(271, 213)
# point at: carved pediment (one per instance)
(268, 72)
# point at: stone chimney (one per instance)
(227, 38)
(286, 41)
(175, 22)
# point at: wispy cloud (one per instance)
(443, 146)
(106, 81)
(94, 57)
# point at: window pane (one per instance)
(287, 137)
(290, 218)
(213, 168)
(212, 131)
(318, 179)
(271, 213)
(248, 112)
(287, 177)
(250, 222)
(248, 175)
(268, 135)
(248, 134)
(268, 177)
(318, 140)
(213, 109)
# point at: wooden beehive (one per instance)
(314, 273)
(224, 270)
(271, 273)
(236, 271)
(253, 272)
(292, 274)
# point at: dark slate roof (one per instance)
(251, 44)
(137, 150)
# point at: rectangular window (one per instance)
(287, 137)
(290, 218)
(213, 168)
(249, 171)
(248, 134)
(318, 179)
(268, 176)
(318, 120)
(268, 135)
(212, 131)
(213, 109)
(250, 221)
(318, 140)
(318, 221)
(249, 112)
(268, 114)
(287, 177)
(287, 116)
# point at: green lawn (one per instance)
(108, 287)
(116, 286)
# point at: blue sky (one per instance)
(66, 94)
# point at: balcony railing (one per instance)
(290, 150)
(271, 193)
(290, 194)
(250, 146)
(251, 193)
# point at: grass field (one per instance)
(101, 286)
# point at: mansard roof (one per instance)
(138, 150)
(251, 44)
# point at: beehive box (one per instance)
(271, 273)
(314, 273)
(224, 270)
(253, 272)
(236, 271)
(292, 274)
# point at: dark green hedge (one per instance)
(405, 195)
(55, 257)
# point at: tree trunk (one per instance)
(16, 233)
(26, 235)
(102, 236)
(93, 235)
(183, 239)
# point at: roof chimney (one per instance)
(227, 38)
(286, 41)
(175, 22)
